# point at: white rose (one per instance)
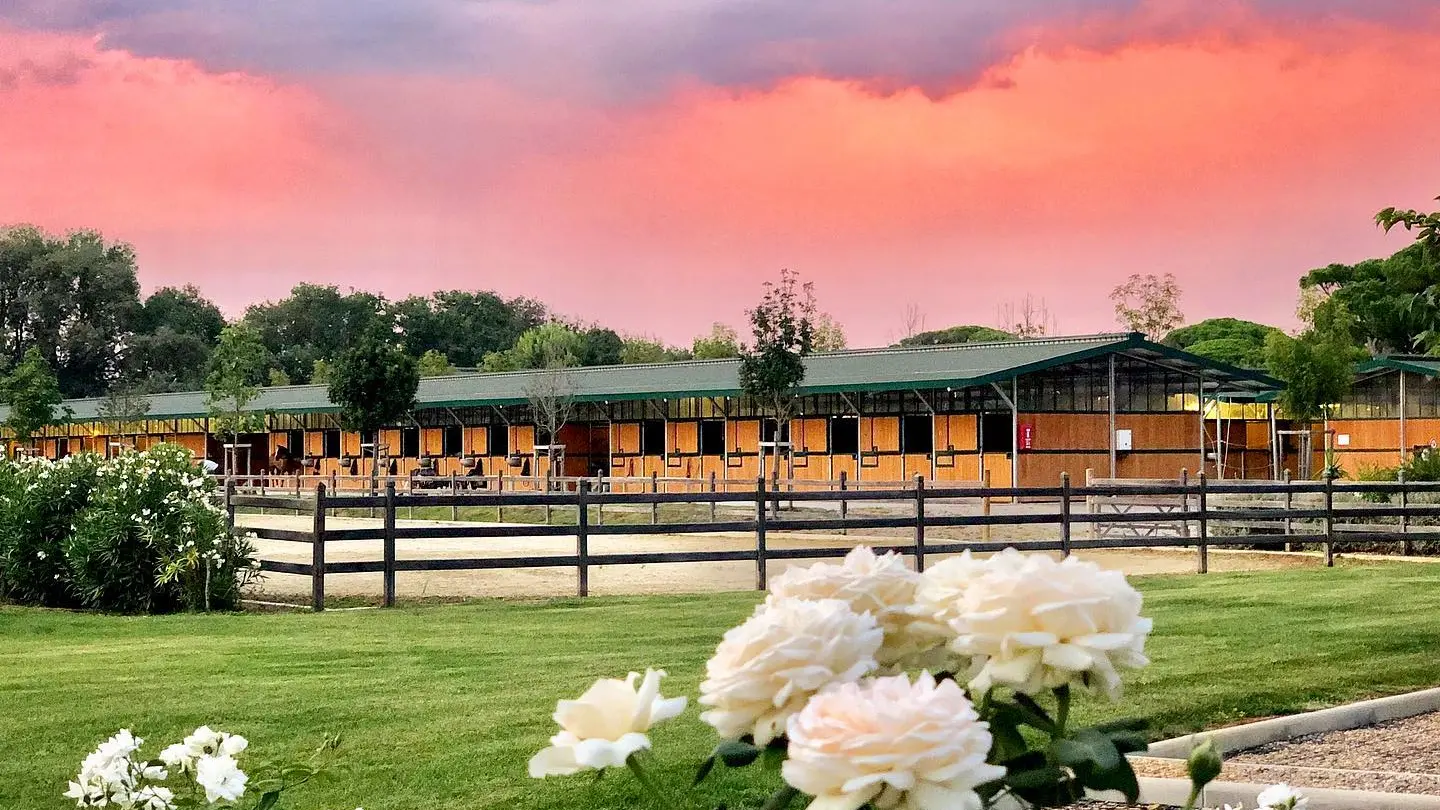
(606, 725)
(221, 778)
(937, 604)
(765, 669)
(154, 798)
(1035, 624)
(1281, 797)
(880, 585)
(890, 743)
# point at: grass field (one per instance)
(442, 706)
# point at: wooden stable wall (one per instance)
(1376, 442)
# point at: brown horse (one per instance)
(283, 463)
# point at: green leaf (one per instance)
(1121, 778)
(1033, 713)
(1102, 751)
(1035, 778)
(736, 753)
(268, 800)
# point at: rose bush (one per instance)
(142, 532)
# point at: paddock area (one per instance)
(656, 578)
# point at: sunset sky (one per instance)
(648, 163)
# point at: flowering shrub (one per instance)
(39, 503)
(202, 771)
(138, 533)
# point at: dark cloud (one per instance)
(629, 47)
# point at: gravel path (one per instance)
(1402, 756)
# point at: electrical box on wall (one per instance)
(1124, 441)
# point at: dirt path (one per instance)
(628, 579)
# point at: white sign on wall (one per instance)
(1124, 440)
(1342, 440)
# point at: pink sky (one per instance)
(565, 155)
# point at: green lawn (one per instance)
(441, 706)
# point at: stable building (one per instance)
(1391, 412)
(1014, 413)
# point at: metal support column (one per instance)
(1200, 403)
(1013, 400)
(1110, 399)
(1404, 445)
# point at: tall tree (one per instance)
(1030, 318)
(650, 350)
(433, 363)
(601, 347)
(173, 334)
(72, 298)
(317, 322)
(1317, 367)
(720, 343)
(772, 366)
(239, 365)
(829, 334)
(123, 407)
(1393, 300)
(374, 385)
(465, 325)
(1148, 304)
(550, 345)
(1228, 340)
(957, 334)
(33, 394)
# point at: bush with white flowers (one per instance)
(140, 533)
(202, 771)
(868, 685)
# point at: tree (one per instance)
(1427, 225)
(1316, 366)
(1148, 304)
(374, 385)
(829, 334)
(463, 325)
(551, 394)
(649, 350)
(276, 377)
(73, 298)
(600, 347)
(772, 366)
(173, 334)
(1394, 301)
(957, 334)
(551, 345)
(434, 363)
(320, 372)
(1028, 319)
(317, 322)
(33, 394)
(720, 343)
(238, 366)
(122, 407)
(1228, 340)
(913, 323)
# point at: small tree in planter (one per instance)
(552, 401)
(238, 366)
(124, 406)
(772, 366)
(1316, 367)
(33, 394)
(374, 385)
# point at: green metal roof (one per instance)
(958, 366)
(1419, 364)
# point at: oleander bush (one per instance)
(140, 533)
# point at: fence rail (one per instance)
(1208, 506)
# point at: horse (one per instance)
(283, 463)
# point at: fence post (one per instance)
(713, 504)
(582, 536)
(1204, 549)
(317, 552)
(1405, 514)
(1329, 520)
(1064, 514)
(500, 490)
(546, 483)
(1185, 500)
(919, 523)
(454, 508)
(654, 490)
(985, 506)
(389, 544)
(761, 581)
(844, 504)
(1094, 530)
(230, 505)
(1289, 502)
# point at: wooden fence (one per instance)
(1209, 506)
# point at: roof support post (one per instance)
(1013, 400)
(1404, 400)
(931, 408)
(1274, 441)
(1200, 406)
(1110, 408)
